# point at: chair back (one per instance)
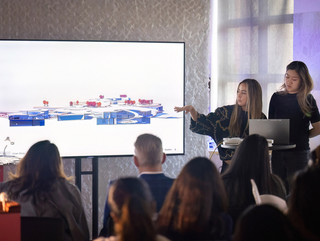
(41, 229)
(275, 201)
(268, 198)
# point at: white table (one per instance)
(272, 148)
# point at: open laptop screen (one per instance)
(276, 129)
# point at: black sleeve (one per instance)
(315, 116)
(272, 105)
(204, 124)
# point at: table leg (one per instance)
(1, 173)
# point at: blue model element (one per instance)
(145, 113)
(143, 120)
(39, 114)
(88, 117)
(19, 117)
(69, 117)
(26, 122)
(106, 115)
(105, 121)
(107, 111)
(122, 114)
(125, 117)
(158, 108)
(29, 118)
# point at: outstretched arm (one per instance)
(188, 109)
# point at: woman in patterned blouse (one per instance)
(229, 120)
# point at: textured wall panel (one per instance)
(134, 20)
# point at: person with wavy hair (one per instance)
(250, 161)
(132, 210)
(229, 120)
(42, 189)
(294, 101)
(195, 207)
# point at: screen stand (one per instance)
(94, 174)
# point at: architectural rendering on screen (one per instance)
(90, 98)
(105, 111)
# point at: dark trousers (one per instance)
(286, 163)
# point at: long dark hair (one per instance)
(250, 161)
(132, 206)
(37, 170)
(254, 106)
(195, 201)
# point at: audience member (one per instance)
(229, 120)
(250, 161)
(264, 223)
(304, 209)
(132, 209)
(148, 158)
(43, 190)
(195, 207)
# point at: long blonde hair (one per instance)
(254, 106)
(306, 85)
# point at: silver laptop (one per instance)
(276, 129)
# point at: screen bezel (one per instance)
(107, 41)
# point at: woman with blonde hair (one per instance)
(229, 120)
(42, 189)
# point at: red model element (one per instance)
(91, 103)
(145, 102)
(130, 102)
(45, 102)
(101, 96)
(72, 103)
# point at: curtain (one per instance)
(254, 40)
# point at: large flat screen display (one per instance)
(90, 98)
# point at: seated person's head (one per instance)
(252, 152)
(265, 223)
(39, 168)
(132, 209)
(148, 152)
(304, 209)
(251, 160)
(195, 200)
